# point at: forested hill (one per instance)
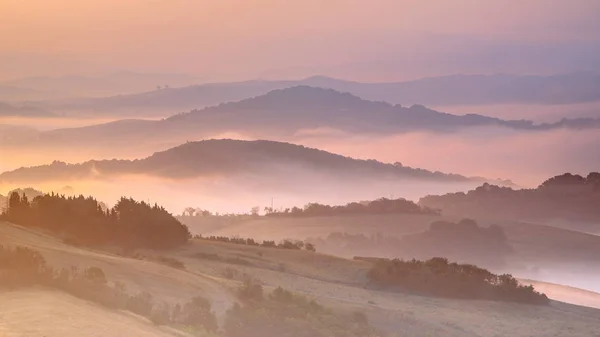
(227, 157)
(566, 197)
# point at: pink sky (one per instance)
(246, 37)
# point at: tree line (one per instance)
(438, 277)
(379, 206)
(85, 221)
(284, 244)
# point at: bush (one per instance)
(197, 313)
(284, 313)
(140, 304)
(171, 262)
(251, 290)
(95, 275)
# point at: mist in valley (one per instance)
(308, 168)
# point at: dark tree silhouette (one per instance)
(129, 223)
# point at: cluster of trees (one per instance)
(568, 196)
(29, 192)
(83, 220)
(464, 240)
(438, 277)
(285, 244)
(284, 313)
(379, 206)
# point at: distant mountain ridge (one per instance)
(282, 113)
(458, 89)
(8, 110)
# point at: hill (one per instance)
(568, 197)
(8, 110)
(535, 251)
(445, 90)
(334, 282)
(285, 113)
(227, 157)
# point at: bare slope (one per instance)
(340, 282)
(164, 282)
(539, 251)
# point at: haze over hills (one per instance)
(460, 89)
(226, 156)
(117, 83)
(9, 110)
(284, 112)
(232, 175)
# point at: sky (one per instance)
(221, 39)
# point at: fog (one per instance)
(540, 113)
(527, 158)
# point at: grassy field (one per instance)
(41, 313)
(543, 252)
(214, 270)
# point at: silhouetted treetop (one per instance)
(84, 220)
(379, 206)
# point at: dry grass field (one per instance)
(41, 313)
(552, 254)
(214, 270)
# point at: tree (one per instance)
(254, 211)
(190, 211)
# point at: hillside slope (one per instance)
(227, 156)
(43, 313)
(330, 280)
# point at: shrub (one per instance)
(171, 262)
(140, 304)
(95, 275)
(197, 313)
(284, 313)
(161, 314)
(251, 290)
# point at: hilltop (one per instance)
(227, 156)
(283, 113)
(459, 89)
(569, 198)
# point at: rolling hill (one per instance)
(226, 157)
(285, 113)
(8, 110)
(570, 199)
(335, 282)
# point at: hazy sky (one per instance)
(249, 38)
